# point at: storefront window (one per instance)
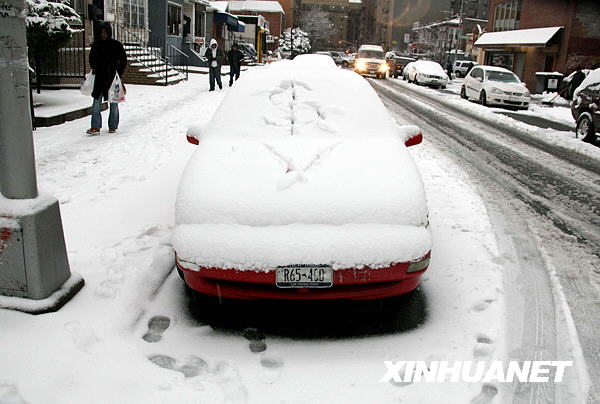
(174, 19)
(507, 15)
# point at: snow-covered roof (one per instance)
(520, 37)
(220, 6)
(257, 6)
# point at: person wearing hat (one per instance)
(214, 57)
(235, 57)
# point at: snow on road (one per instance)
(566, 140)
(129, 336)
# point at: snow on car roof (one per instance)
(592, 78)
(299, 143)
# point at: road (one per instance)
(544, 202)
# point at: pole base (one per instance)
(48, 305)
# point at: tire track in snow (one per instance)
(523, 261)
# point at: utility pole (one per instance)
(460, 29)
(33, 257)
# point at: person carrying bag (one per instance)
(108, 61)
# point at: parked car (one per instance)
(407, 70)
(397, 63)
(493, 85)
(273, 205)
(461, 67)
(427, 72)
(336, 58)
(347, 60)
(371, 60)
(586, 107)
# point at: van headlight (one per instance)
(383, 67)
(361, 64)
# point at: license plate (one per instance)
(304, 276)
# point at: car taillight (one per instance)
(419, 265)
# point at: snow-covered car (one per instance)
(407, 70)
(586, 107)
(309, 193)
(461, 67)
(371, 60)
(427, 72)
(493, 85)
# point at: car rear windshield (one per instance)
(370, 54)
(504, 77)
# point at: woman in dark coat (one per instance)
(107, 57)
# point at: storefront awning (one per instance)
(520, 37)
(229, 19)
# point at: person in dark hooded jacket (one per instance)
(235, 57)
(107, 58)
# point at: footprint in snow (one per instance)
(256, 339)
(83, 338)
(9, 394)
(157, 325)
(487, 394)
(271, 368)
(191, 366)
(484, 346)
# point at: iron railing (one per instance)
(63, 67)
(152, 51)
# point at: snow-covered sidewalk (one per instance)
(117, 194)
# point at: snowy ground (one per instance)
(55, 102)
(117, 197)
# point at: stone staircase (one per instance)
(145, 66)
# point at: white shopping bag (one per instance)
(87, 87)
(116, 92)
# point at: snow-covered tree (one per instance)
(319, 27)
(301, 42)
(49, 24)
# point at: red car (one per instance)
(302, 188)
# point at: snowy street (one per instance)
(514, 274)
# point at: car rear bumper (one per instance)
(353, 284)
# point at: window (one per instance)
(174, 19)
(199, 22)
(507, 15)
(134, 13)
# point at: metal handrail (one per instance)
(186, 64)
(154, 46)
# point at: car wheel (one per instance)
(482, 98)
(345, 64)
(585, 128)
(463, 93)
(443, 87)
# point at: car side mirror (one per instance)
(410, 134)
(194, 134)
(480, 79)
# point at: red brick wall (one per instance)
(579, 42)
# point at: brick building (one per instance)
(529, 36)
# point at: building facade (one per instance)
(529, 36)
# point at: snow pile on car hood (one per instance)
(301, 150)
(428, 67)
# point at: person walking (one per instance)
(576, 81)
(235, 57)
(449, 69)
(214, 57)
(107, 58)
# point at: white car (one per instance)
(492, 85)
(309, 193)
(426, 72)
(461, 66)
